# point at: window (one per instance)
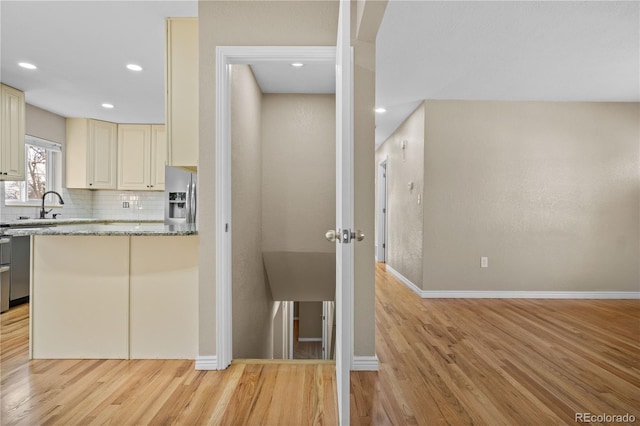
(43, 172)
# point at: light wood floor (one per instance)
(304, 350)
(81, 392)
(493, 362)
(498, 361)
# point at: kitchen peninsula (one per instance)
(113, 290)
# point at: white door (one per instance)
(344, 209)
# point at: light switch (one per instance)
(484, 262)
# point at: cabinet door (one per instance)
(182, 91)
(102, 155)
(12, 137)
(134, 141)
(163, 289)
(158, 156)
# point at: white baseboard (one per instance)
(309, 339)
(460, 294)
(207, 363)
(365, 363)
(530, 295)
(404, 280)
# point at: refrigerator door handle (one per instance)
(188, 203)
(193, 204)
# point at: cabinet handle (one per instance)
(152, 186)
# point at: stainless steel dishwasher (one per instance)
(20, 270)
(5, 272)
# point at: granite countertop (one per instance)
(48, 222)
(100, 227)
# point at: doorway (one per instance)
(283, 200)
(342, 58)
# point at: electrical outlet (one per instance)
(484, 262)
(125, 204)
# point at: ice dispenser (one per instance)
(177, 205)
(180, 196)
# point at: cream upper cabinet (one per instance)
(12, 134)
(158, 155)
(141, 156)
(134, 141)
(182, 92)
(91, 154)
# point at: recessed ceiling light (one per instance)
(108, 106)
(380, 110)
(297, 64)
(27, 65)
(134, 67)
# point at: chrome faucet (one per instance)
(43, 212)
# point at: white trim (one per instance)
(529, 294)
(463, 294)
(207, 363)
(309, 339)
(225, 56)
(223, 212)
(404, 280)
(365, 363)
(290, 309)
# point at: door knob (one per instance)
(332, 236)
(358, 235)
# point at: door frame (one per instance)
(226, 56)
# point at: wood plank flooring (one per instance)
(497, 361)
(304, 350)
(455, 362)
(136, 392)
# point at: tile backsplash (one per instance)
(142, 205)
(83, 203)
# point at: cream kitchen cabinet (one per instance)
(114, 296)
(182, 92)
(163, 292)
(91, 154)
(12, 134)
(142, 152)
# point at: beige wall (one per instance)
(278, 330)
(404, 206)
(45, 125)
(298, 172)
(548, 191)
(252, 302)
(310, 320)
(307, 23)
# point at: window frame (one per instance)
(53, 174)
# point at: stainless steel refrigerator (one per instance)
(180, 196)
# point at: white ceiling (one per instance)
(542, 50)
(281, 77)
(583, 51)
(81, 49)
